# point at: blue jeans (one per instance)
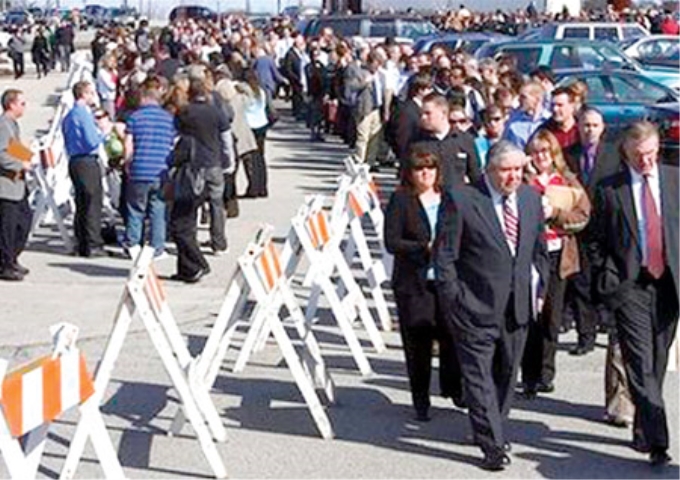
(146, 198)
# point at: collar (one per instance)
(496, 196)
(637, 177)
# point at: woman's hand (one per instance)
(548, 210)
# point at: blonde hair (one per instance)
(543, 136)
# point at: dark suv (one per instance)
(194, 12)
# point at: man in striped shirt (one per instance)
(148, 143)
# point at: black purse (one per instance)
(187, 180)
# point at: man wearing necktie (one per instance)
(635, 253)
(486, 246)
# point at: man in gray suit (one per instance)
(489, 239)
(15, 214)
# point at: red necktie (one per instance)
(653, 232)
(511, 222)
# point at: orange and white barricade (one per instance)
(355, 203)
(35, 395)
(259, 274)
(311, 235)
(143, 296)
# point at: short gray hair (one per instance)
(501, 150)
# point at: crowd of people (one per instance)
(516, 214)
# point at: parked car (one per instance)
(18, 18)
(373, 28)
(624, 97)
(661, 50)
(195, 12)
(604, 31)
(566, 54)
(468, 41)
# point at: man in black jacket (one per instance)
(460, 163)
(293, 67)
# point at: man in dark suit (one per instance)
(404, 125)
(635, 253)
(485, 249)
(293, 68)
(456, 149)
(591, 159)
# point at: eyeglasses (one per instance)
(459, 121)
(420, 168)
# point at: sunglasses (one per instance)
(459, 121)
(423, 167)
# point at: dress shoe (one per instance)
(659, 458)
(11, 275)
(639, 445)
(495, 462)
(422, 416)
(190, 278)
(21, 269)
(580, 350)
(96, 253)
(530, 392)
(545, 387)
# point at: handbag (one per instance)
(185, 180)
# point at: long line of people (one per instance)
(499, 176)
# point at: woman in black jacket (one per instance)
(410, 229)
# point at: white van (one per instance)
(604, 31)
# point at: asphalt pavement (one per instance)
(270, 431)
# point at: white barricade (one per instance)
(355, 200)
(259, 274)
(143, 296)
(38, 393)
(312, 236)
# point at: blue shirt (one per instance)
(81, 135)
(521, 126)
(432, 212)
(153, 135)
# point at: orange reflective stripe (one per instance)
(12, 403)
(355, 205)
(323, 227)
(51, 389)
(153, 290)
(267, 271)
(275, 259)
(312, 230)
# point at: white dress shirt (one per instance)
(637, 184)
(497, 199)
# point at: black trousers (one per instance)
(489, 360)
(646, 323)
(421, 322)
(15, 226)
(255, 166)
(579, 294)
(183, 219)
(538, 361)
(18, 64)
(297, 100)
(86, 176)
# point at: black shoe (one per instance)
(459, 401)
(640, 445)
(190, 278)
(545, 387)
(21, 269)
(659, 458)
(580, 350)
(96, 253)
(374, 169)
(422, 416)
(495, 462)
(530, 392)
(11, 275)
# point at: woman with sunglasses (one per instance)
(566, 209)
(493, 125)
(410, 229)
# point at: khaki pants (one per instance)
(368, 127)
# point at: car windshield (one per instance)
(614, 57)
(416, 28)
